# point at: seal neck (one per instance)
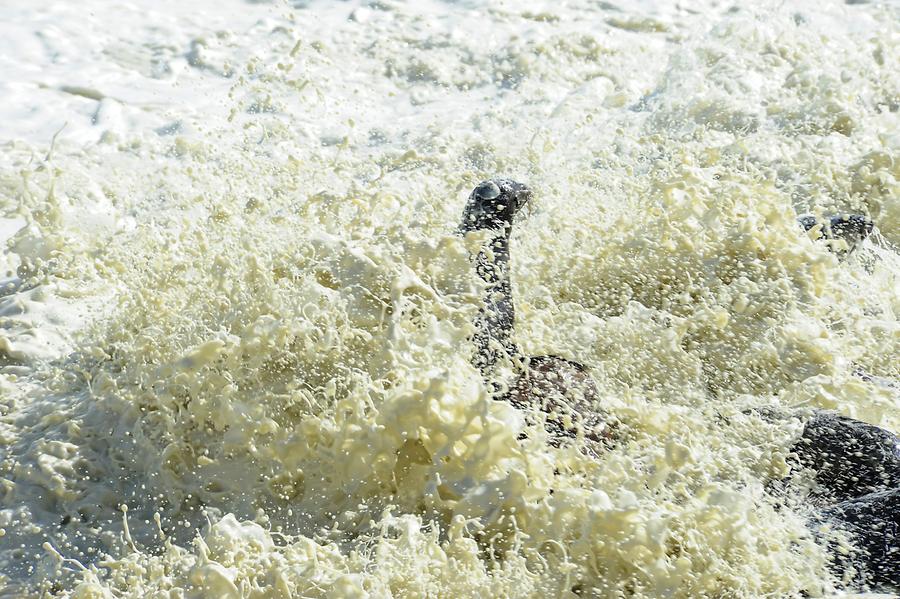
(494, 324)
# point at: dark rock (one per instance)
(850, 458)
(873, 523)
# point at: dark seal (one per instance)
(556, 393)
(851, 229)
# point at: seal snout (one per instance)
(522, 195)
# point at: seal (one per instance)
(843, 233)
(552, 391)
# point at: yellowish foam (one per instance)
(258, 343)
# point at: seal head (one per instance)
(493, 204)
(850, 228)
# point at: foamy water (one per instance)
(234, 356)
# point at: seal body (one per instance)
(561, 395)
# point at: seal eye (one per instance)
(487, 191)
